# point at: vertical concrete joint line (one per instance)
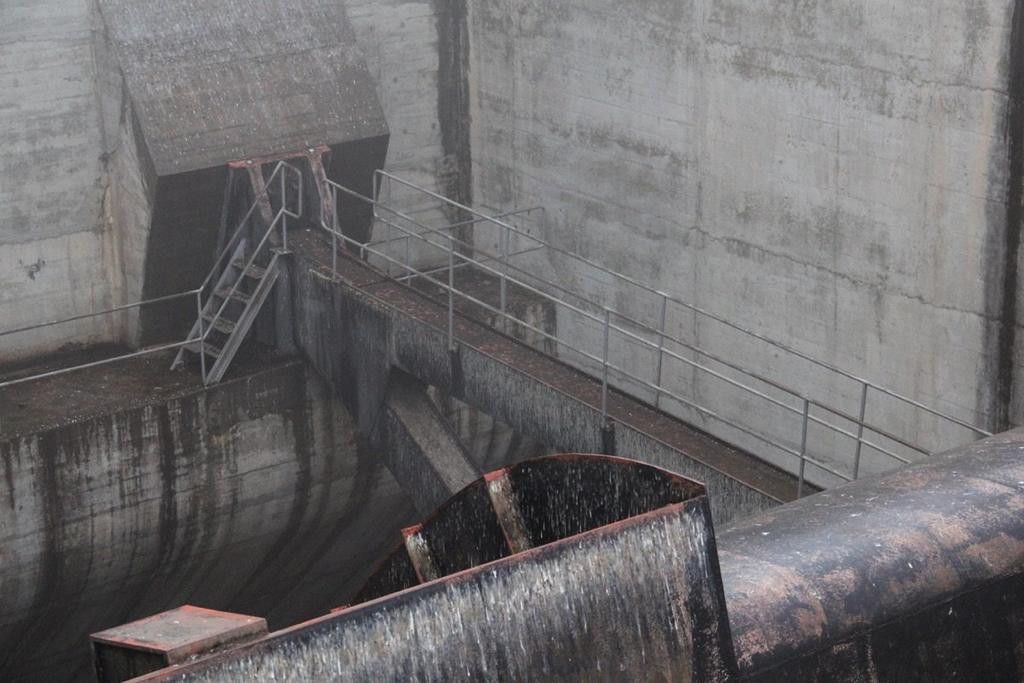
(453, 109)
(1014, 213)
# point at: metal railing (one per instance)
(278, 223)
(99, 314)
(279, 175)
(793, 442)
(611, 329)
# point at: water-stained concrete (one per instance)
(252, 496)
(355, 329)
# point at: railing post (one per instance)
(408, 260)
(284, 209)
(661, 347)
(334, 232)
(451, 294)
(202, 333)
(803, 449)
(506, 237)
(860, 429)
(604, 364)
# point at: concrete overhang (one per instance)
(218, 80)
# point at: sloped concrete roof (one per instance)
(218, 80)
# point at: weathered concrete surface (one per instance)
(78, 172)
(417, 52)
(831, 175)
(235, 79)
(58, 255)
(354, 330)
(418, 447)
(399, 41)
(252, 497)
(913, 576)
(214, 82)
(491, 443)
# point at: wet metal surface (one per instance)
(183, 632)
(833, 567)
(170, 637)
(918, 575)
(635, 596)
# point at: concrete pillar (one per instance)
(418, 446)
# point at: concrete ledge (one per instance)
(418, 447)
(250, 496)
(532, 392)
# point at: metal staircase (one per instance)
(244, 274)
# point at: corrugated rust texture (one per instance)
(919, 569)
(219, 80)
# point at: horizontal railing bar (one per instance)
(440, 269)
(585, 354)
(106, 361)
(629, 334)
(116, 309)
(714, 415)
(851, 435)
(726, 421)
(869, 426)
(695, 309)
(881, 449)
(525, 286)
(466, 261)
(664, 336)
(444, 286)
(452, 226)
(598, 319)
(264, 192)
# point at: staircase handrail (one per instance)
(280, 171)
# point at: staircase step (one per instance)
(210, 349)
(255, 272)
(237, 296)
(220, 324)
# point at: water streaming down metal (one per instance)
(622, 581)
(917, 575)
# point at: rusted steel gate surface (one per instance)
(916, 575)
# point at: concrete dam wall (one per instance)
(819, 177)
(251, 496)
(834, 175)
(846, 180)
